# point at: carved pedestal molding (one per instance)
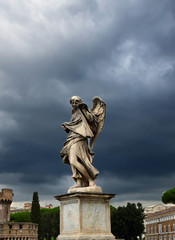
(85, 216)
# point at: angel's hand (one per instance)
(65, 128)
(82, 106)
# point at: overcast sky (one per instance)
(121, 51)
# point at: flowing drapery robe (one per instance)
(78, 133)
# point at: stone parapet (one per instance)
(18, 231)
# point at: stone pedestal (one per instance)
(85, 216)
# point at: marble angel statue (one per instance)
(77, 152)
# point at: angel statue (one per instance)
(77, 152)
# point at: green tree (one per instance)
(35, 210)
(128, 222)
(20, 217)
(169, 196)
(50, 216)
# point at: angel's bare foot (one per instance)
(91, 183)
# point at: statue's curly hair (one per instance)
(75, 98)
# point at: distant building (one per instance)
(14, 230)
(5, 202)
(27, 206)
(161, 225)
(12, 209)
(157, 208)
(49, 206)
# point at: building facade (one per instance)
(157, 208)
(49, 206)
(27, 206)
(18, 231)
(161, 225)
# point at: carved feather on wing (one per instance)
(99, 111)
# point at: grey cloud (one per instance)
(120, 51)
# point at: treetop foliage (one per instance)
(20, 217)
(35, 210)
(169, 196)
(128, 222)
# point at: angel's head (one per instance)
(75, 101)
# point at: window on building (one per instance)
(164, 228)
(148, 230)
(160, 237)
(155, 230)
(173, 227)
(169, 228)
(155, 237)
(20, 226)
(165, 238)
(151, 229)
(173, 237)
(10, 226)
(160, 228)
(169, 237)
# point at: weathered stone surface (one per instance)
(98, 211)
(85, 216)
(86, 237)
(78, 151)
(5, 202)
(19, 230)
(93, 189)
(70, 216)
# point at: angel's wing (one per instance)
(99, 111)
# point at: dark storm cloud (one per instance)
(122, 51)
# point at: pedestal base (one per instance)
(93, 189)
(85, 237)
(85, 216)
